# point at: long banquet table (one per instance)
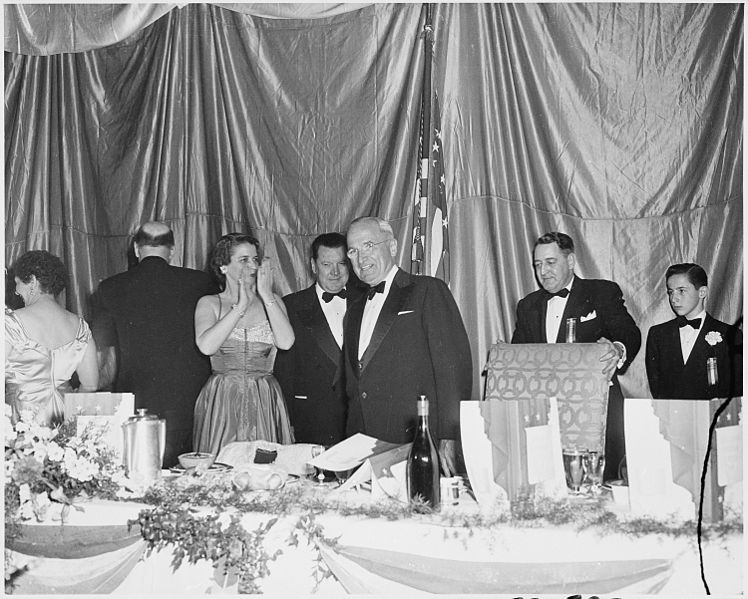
(95, 552)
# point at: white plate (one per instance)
(214, 467)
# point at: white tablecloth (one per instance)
(370, 555)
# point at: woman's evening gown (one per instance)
(242, 401)
(36, 377)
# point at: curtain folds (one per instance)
(212, 121)
(44, 29)
(620, 124)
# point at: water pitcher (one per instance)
(145, 441)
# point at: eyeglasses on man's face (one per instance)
(366, 248)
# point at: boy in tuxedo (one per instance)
(678, 350)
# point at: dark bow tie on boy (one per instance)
(682, 321)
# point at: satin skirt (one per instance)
(238, 406)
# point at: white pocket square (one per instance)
(592, 315)
(405, 312)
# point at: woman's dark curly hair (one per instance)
(222, 252)
(47, 268)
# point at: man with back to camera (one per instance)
(312, 372)
(601, 315)
(678, 350)
(144, 327)
(404, 338)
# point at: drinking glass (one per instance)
(574, 470)
(571, 330)
(321, 476)
(594, 466)
(343, 475)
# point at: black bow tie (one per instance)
(378, 288)
(682, 321)
(327, 296)
(560, 293)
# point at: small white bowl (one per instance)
(196, 459)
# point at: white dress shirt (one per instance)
(372, 310)
(553, 314)
(688, 336)
(334, 312)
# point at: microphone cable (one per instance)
(712, 426)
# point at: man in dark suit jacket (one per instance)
(678, 350)
(405, 338)
(144, 319)
(601, 316)
(311, 373)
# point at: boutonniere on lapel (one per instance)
(713, 338)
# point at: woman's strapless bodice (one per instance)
(248, 351)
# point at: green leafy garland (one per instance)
(314, 534)
(176, 521)
(197, 537)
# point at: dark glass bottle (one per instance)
(423, 461)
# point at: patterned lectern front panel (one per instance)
(571, 372)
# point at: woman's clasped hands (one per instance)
(265, 280)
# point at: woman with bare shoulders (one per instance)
(240, 329)
(44, 343)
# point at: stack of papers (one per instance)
(381, 462)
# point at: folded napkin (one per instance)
(292, 459)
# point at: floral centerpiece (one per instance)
(47, 469)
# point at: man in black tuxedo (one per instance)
(678, 350)
(601, 317)
(312, 373)
(144, 326)
(404, 338)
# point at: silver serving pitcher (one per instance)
(145, 442)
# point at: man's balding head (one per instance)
(154, 239)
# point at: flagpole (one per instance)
(420, 215)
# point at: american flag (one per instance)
(420, 201)
(438, 214)
(430, 215)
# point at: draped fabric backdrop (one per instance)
(620, 124)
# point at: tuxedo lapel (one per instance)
(575, 306)
(395, 298)
(353, 331)
(700, 350)
(314, 318)
(537, 318)
(672, 343)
